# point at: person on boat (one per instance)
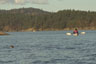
(75, 31)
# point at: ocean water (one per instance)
(48, 47)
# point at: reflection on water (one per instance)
(48, 47)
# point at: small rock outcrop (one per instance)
(2, 33)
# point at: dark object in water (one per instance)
(11, 46)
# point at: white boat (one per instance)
(75, 34)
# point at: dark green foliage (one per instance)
(24, 18)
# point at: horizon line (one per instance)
(49, 11)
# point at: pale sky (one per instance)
(50, 5)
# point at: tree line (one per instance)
(24, 18)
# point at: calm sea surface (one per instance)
(48, 47)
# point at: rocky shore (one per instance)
(3, 33)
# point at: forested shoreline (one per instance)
(29, 19)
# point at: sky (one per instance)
(50, 5)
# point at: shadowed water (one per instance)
(48, 47)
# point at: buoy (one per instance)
(68, 34)
(82, 32)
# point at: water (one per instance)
(48, 47)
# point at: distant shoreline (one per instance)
(51, 29)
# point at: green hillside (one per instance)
(36, 19)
